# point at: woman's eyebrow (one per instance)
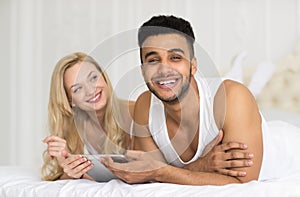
(72, 86)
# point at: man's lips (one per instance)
(167, 83)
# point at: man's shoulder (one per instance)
(141, 109)
(144, 98)
(235, 89)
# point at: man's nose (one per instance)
(163, 67)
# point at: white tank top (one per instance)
(207, 127)
(280, 140)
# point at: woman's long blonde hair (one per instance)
(62, 119)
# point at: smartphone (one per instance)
(99, 172)
(115, 157)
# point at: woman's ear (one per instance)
(194, 65)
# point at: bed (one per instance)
(22, 181)
(19, 181)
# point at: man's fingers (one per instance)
(238, 155)
(134, 154)
(237, 163)
(233, 145)
(232, 173)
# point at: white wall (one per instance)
(36, 33)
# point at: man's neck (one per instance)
(187, 107)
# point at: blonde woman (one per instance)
(83, 111)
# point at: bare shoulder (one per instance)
(238, 96)
(141, 109)
(234, 87)
(228, 92)
(232, 97)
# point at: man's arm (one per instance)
(243, 123)
(142, 137)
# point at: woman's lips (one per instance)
(96, 98)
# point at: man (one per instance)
(182, 113)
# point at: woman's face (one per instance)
(86, 87)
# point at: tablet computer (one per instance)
(99, 172)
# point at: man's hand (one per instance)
(142, 167)
(215, 158)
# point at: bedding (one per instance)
(20, 181)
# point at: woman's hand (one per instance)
(74, 166)
(56, 146)
(215, 158)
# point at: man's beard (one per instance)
(176, 98)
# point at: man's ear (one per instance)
(194, 65)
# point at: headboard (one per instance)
(282, 91)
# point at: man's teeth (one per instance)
(166, 82)
(95, 98)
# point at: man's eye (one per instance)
(176, 58)
(153, 61)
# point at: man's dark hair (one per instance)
(166, 25)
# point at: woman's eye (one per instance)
(77, 89)
(94, 78)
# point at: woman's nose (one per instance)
(90, 89)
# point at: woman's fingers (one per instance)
(53, 138)
(76, 166)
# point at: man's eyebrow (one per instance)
(150, 53)
(176, 50)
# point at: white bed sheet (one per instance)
(19, 181)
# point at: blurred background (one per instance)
(35, 34)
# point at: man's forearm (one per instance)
(171, 174)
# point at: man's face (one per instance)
(167, 68)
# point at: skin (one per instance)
(242, 121)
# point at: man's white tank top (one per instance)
(207, 127)
(274, 134)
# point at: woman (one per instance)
(82, 107)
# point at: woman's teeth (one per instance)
(95, 98)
